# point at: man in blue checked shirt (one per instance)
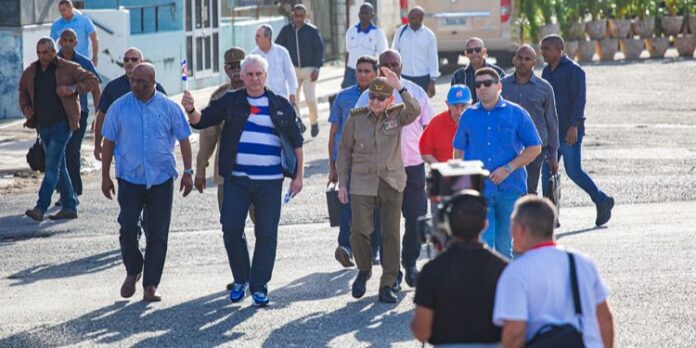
(502, 135)
(365, 71)
(68, 41)
(140, 130)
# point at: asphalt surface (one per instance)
(60, 281)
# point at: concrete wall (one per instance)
(111, 45)
(170, 19)
(165, 50)
(10, 71)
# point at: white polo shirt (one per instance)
(370, 42)
(418, 51)
(281, 78)
(535, 288)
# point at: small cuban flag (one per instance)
(184, 74)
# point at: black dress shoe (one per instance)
(411, 276)
(604, 211)
(64, 215)
(315, 130)
(386, 295)
(397, 283)
(359, 285)
(35, 214)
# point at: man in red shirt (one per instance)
(436, 142)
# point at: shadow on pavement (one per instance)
(91, 264)
(208, 321)
(584, 230)
(20, 226)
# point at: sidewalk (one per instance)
(15, 140)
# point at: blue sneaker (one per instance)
(260, 299)
(238, 291)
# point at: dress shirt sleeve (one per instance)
(381, 42)
(433, 59)
(112, 125)
(54, 31)
(336, 110)
(180, 127)
(426, 113)
(345, 153)
(461, 137)
(411, 110)
(289, 71)
(526, 130)
(395, 41)
(551, 118)
(577, 96)
(318, 49)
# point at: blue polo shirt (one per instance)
(495, 137)
(86, 64)
(145, 133)
(82, 25)
(340, 111)
(568, 81)
(115, 89)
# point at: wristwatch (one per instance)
(191, 111)
(402, 90)
(509, 168)
(188, 171)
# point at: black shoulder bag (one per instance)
(566, 336)
(36, 157)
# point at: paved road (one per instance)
(60, 281)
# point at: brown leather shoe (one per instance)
(150, 294)
(35, 214)
(128, 287)
(64, 215)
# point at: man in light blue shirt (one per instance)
(140, 130)
(502, 135)
(83, 26)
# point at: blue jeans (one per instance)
(156, 203)
(72, 154)
(349, 78)
(344, 230)
(498, 235)
(54, 140)
(572, 162)
(239, 193)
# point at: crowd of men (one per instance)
(383, 132)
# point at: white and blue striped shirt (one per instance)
(258, 152)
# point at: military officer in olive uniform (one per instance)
(369, 156)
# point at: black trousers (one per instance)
(533, 173)
(156, 203)
(415, 204)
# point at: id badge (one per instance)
(390, 124)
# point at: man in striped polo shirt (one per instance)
(260, 144)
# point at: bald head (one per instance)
(68, 34)
(142, 81)
(525, 49)
(146, 69)
(391, 59)
(415, 18)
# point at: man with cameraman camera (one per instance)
(456, 291)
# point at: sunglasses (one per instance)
(131, 59)
(233, 65)
(472, 50)
(485, 83)
(378, 97)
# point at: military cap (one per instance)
(379, 86)
(234, 54)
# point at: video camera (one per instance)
(444, 181)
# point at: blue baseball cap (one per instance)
(459, 94)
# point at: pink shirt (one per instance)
(411, 134)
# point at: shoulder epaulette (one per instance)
(396, 107)
(358, 110)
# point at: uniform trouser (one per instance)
(304, 81)
(422, 81)
(54, 139)
(414, 206)
(72, 154)
(388, 202)
(533, 172)
(156, 205)
(239, 194)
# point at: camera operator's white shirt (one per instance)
(535, 288)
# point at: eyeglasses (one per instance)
(232, 65)
(485, 83)
(131, 59)
(378, 97)
(475, 49)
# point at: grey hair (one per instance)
(47, 40)
(474, 39)
(254, 59)
(136, 50)
(267, 30)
